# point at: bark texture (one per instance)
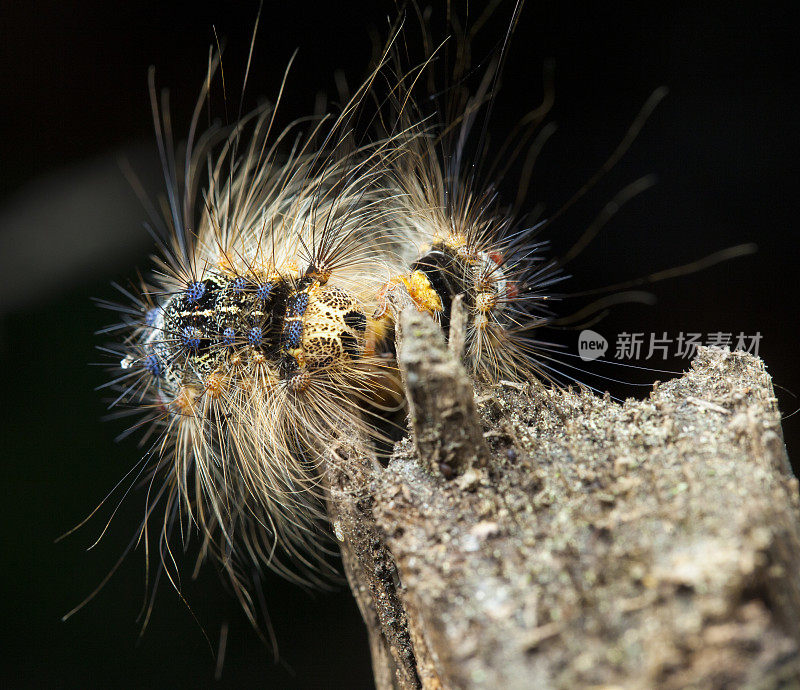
(527, 537)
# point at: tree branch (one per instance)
(578, 541)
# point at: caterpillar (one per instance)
(267, 324)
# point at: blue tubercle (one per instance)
(264, 291)
(297, 305)
(292, 334)
(195, 291)
(152, 364)
(190, 337)
(254, 336)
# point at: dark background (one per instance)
(73, 90)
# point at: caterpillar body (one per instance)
(268, 324)
(275, 330)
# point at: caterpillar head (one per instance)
(450, 268)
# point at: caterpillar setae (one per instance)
(267, 324)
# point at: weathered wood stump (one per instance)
(531, 538)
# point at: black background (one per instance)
(724, 145)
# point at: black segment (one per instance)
(243, 307)
(356, 320)
(350, 345)
(188, 317)
(287, 366)
(445, 273)
(214, 314)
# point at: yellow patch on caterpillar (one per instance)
(288, 269)
(378, 330)
(419, 289)
(422, 292)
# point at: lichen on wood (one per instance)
(577, 542)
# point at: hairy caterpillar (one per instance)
(268, 325)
